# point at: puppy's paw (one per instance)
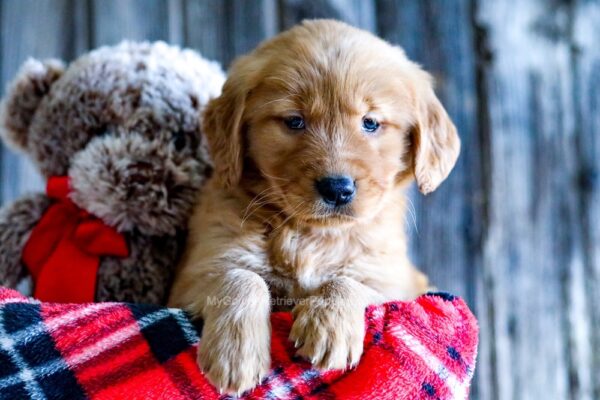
(329, 335)
(236, 357)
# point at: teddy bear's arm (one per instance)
(16, 222)
(143, 277)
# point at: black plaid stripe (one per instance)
(161, 330)
(443, 295)
(34, 365)
(197, 323)
(310, 377)
(9, 369)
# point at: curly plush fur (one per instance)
(123, 123)
(16, 222)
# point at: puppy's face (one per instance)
(333, 119)
(330, 144)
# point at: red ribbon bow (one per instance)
(64, 248)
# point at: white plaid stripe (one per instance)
(281, 387)
(278, 389)
(53, 323)
(40, 371)
(18, 299)
(118, 336)
(188, 329)
(25, 375)
(458, 388)
(86, 354)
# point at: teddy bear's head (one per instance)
(123, 123)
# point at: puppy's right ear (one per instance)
(24, 95)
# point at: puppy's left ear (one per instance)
(436, 142)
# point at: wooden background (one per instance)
(516, 228)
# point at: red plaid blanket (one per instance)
(424, 349)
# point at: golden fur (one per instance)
(261, 239)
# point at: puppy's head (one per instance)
(333, 119)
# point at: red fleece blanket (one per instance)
(424, 349)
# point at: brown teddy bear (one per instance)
(117, 136)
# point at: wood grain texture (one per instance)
(222, 30)
(586, 95)
(359, 13)
(116, 20)
(515, 229)
(448, 221)
(534, 250)
(447, 235)
(252, 22)
(40, 29)
(207, 28)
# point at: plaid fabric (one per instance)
(423, 349)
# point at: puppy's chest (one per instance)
(301, 261)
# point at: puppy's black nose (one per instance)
(336, 190)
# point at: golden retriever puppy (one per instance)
(315, 137)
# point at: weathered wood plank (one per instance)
(586, 57)
(533, 253)
(252, 22)
(223, 30)
(360, 13)
(447, 234)
(515, 229)
(207, 29)
(116, 20)
(448, 221)
(41, 29)
(176, 21)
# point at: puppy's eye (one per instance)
(370, 125)
(295, 122)
(180, 140)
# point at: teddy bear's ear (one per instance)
(23, 97)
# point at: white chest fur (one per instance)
(309, 257)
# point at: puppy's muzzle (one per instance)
(336, 190)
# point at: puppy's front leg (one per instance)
(329, 326)
(234, 351)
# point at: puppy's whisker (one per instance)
(269, 200)
(270, 219)
(264, 197)
(413, 213)
(273, 177)
(274, 217)
(294, 212)
(257, 198)
(255, 207)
